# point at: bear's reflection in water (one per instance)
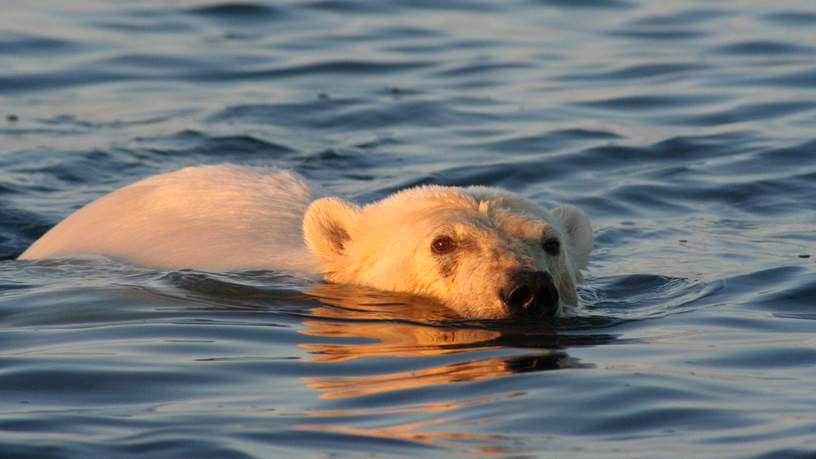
(411, 344)
(377, 324)
(350, 323)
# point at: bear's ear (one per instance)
(579, 230)
(327, 227)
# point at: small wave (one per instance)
(640, 71)
(585, 4)
(758, 48)
(237, 11)
(748, 112)
(797, 79)
(792, 18)
(694, 17)
(660, 34)
(15, 44)
(648, 296)
(642, 103)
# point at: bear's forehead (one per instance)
(478, 218)
(430, 196)
(482, 199)
(429, 207)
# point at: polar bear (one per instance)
(483, 252)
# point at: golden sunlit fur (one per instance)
(231, 218)
(386, 245)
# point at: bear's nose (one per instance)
(531, 294)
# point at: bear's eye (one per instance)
(552, 246)
(443, 245)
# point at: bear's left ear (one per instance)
(327, 227)
(579, 230)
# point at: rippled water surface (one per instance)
(684, 128)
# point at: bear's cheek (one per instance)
(472, 291)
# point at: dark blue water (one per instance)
(686, 129)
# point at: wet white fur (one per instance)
(498, 233)
(208, 217)
(232, 218)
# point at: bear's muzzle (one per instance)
(530, 294)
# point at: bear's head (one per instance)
(484, 252)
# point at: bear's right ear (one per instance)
(579, 230)
(327, 227)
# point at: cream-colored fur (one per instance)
(208, 217)
(231, 217)
(387, 244)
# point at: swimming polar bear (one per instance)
(483, 252)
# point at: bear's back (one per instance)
(218, 217)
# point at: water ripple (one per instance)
(237, 11)
(585, 4)
(751, 48)
(749, 112)
(653, 102)
(640, 71)
(801, 18)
